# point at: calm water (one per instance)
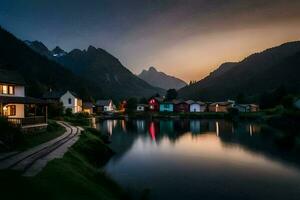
(201, 159)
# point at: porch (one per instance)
(32, 114)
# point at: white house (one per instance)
(70, 100)
(196, 106)
(15, 106)
(141, 107)
(105, 106)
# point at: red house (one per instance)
(181, 106)
(154, 104)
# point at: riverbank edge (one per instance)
(75, 176)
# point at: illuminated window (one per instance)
(4, 89)
(11, 90)
(9, 110)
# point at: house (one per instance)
(242, 107)
(141, 107)
(166, 107)
(181, 106)
(104, 106)
(154, 104)
(220, 106)
(196, 106)
(19, 109)
(247, 107)
(88, 107)
(70, 100)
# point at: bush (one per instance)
(55, 110)
(10, 137)
(68, 112)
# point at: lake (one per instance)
(201, 159)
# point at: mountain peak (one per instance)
(152, 69)
(91, 48)
(57, 52)
(160, 79)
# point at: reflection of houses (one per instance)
(26, 112)
(154, 103)
(220, 106)
(166, 107)
(196, 106)
(181, 106)
(88, 107)
(195, 126)
(70, 100)
(140, 124)
(104, 106)
(141, 107)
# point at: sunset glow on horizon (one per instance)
(187, 39)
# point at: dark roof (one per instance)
(57, 94)
(22, 100)
(88, 105)
(225, 103)
(11, 77)
(53, 94)
(103, 102)
(141, 104)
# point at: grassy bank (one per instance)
(13, 139)
(75, 176)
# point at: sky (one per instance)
(184, 38)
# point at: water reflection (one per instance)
(212, 159)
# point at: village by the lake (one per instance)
(149, 100)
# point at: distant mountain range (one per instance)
(43, 50)
(90, 73)
(259, 73)
(161, 80)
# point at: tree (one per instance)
(131, 104)
(171, 94)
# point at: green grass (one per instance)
(33, 139)
(76, 176)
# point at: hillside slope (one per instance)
(258, 73)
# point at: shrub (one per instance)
(10, 137)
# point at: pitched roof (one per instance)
(11, 77)
(57, 94)
(225, 103)
(88, 105)
(53, 94)
(22, 100)
(103, 102)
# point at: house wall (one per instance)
(166, 108)
(19, 111)
(153, 105)
(182, 107)
(195, 108)
(75, 105)
(19, 91)
(88, 110)
(140, 108)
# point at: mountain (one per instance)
(58, 52)
(160, 79)
(40, 48)
(107, 72)
(259, 73)
(40, 73)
